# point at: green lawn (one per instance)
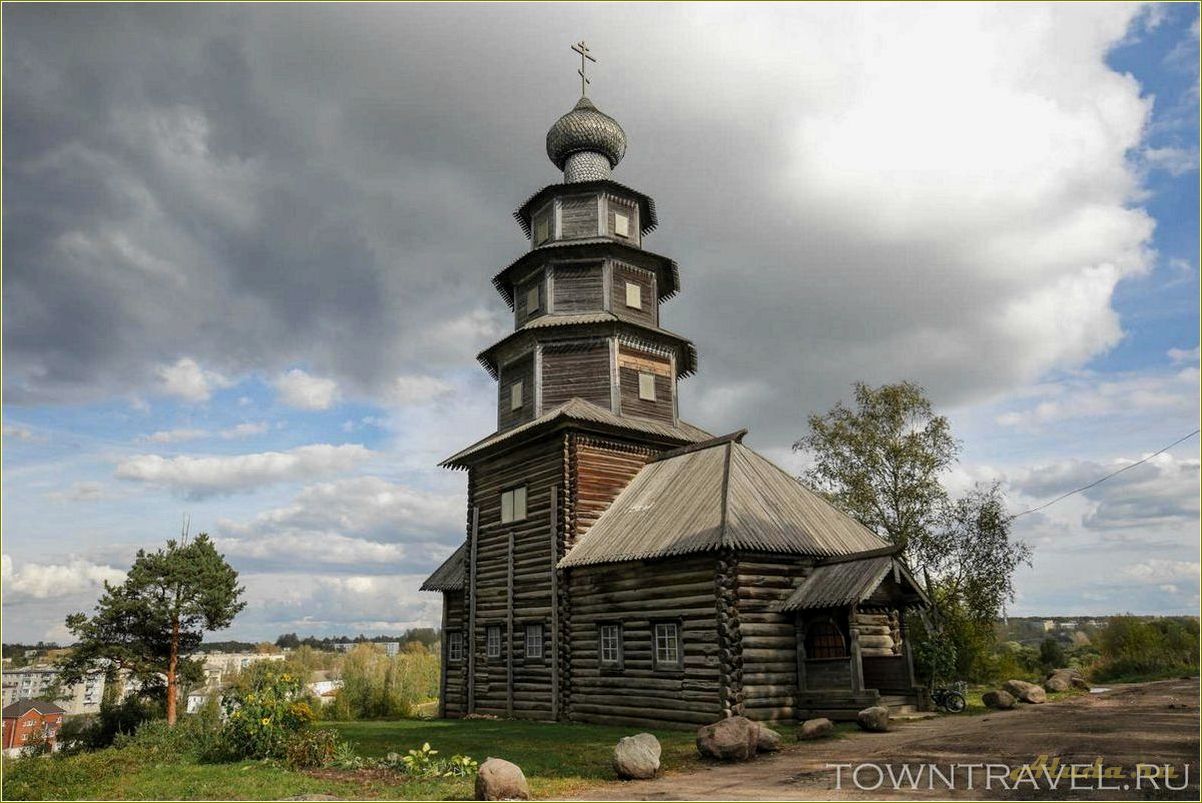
(556, 758)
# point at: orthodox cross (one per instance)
(581, 48)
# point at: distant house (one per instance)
(324, 686)
(25, 718)
(221, 667)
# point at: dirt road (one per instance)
(1150, 724)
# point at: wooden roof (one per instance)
(666, 271)
(597, 323)
(21, 707)
(450, 576)
(647, 215)
(582, 412)
(714, 495)
(835, 585)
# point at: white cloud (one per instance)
(245, 430)
(1184, 355)
(175, 435)
(298, 548)
(417, 389)
(187, 380)
(1162, 571)
(204, 476)
(1177, 161)
(303, 391)
(80, 492)
(1114, 395)
(50, 581)
(21, 433)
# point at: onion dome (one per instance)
(586, 130)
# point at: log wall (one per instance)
(614, 205)
(576, 370)
(769, 638)
(648, 312)
(513, 580)
(603, 467)
(454, 698)
(579, 288)
(578, 217)
(520, 370)
(636, 595)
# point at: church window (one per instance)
(634, 295)
(825, 640)
(513, 505)
(515, 395)
(542, 231)
(621, 225)
(534, 641)
(492, 641)
(455, 646)
(667, 646)
(646, 386)
(532, 300)
(610, 645)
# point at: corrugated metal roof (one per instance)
(722, 496)
(839, 584)
(577, 409)
(451, 575)
(686, 361)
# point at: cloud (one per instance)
(80, 492)
(299, 389)
(1184, 355)
(205, 476)
(1177, 161)
(52, 581)
(1159, 571)
(187, 380)
(408, 390)
(21, 433)
(236, 432)
(964, 227)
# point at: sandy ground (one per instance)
(1148, 723)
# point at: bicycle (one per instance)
(950, 697)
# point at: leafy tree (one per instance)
(288, 641)
(145, 625)
(881, 462)
(1051, 653)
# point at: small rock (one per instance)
(1000, 699)
(498, 779)
(637, 757)
(818, 728)
(1057, 683)
(730, 739)
(1027, 692)
(874, 718)
(767, 740)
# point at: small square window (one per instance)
(513, 505)
(610, 645)
(455, 646)
(492, 641)
(667, 646)
(646, 386)
(532, 300)
(634, 295)
(515, 395)
(534, 641)
(542, 231)
(621, 225)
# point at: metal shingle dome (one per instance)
(585, 128)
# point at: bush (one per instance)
(378, 687)
(311, 747)
(1148, 648)
(264, 712)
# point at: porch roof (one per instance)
(836, 584)
(450, 575)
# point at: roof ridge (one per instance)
(725, 501)
(736, 437)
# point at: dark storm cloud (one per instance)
(260, 186)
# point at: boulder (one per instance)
(818, 728)
(498, 779)
(767, 740)
(1058, 683)
(1000, 699)
(1081, 683)
(874, 718)
(730, 739)
(637, 757)
(1027, 692)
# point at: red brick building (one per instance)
(24, 718)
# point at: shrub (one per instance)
(264, 712)
(376, 686)
(311, 747)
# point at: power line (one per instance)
(1103, 479)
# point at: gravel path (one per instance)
(1150, 723)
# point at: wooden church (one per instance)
(623, 566)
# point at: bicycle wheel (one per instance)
(955, 702)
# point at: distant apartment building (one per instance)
(222, 667)
(24, 719)
(37, 682)
(390, 648)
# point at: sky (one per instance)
(248, 250)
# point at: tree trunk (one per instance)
(172, 661)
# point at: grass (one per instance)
(557, 759)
